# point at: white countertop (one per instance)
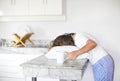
(22, 50)
(43, 67)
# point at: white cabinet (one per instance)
(13, 7)
(31, 10)
(10, 69)
(30, 7)
(5, 7)
(53, 7)
(45, 7)
(36, 7)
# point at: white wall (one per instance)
(98, 17)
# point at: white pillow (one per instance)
(52, 54)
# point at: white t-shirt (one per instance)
(95, 54)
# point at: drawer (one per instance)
(11, 79)
(11, 62)
(12, 57)
(11, 75)
(12, 69)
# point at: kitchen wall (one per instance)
(101, 18)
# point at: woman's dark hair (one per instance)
(65, 39)
(62, 40)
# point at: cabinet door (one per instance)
(36, 7)
(53, 7)
(13, 7)
(45, 7)
(20, 7)
(5, 7)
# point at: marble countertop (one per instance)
(39, 47)
(42, 67)
(22, 50)
(43, 62)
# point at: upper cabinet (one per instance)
(53, 7)
(36, 7)
(45, 7)
(13, 7)
(31, 9)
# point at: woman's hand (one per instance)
(71, 55)
(89, 46)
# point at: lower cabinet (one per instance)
(10, 69)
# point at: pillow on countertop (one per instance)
(62, 49)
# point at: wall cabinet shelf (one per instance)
(31, 10)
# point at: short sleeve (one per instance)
(80, 40)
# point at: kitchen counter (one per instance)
(43, 67)
(39, 47)
(23, 50)
(12, 57)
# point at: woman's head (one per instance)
(63, 40)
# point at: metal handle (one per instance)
(13, 2)
(44, 1)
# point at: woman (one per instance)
(102, 62)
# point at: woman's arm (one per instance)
(90, 44)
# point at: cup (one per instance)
(60, 57)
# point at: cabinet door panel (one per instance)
(36, 7)
(20, 7)
(5, 6)
(11, 75)
(53, 7)
(45, 7)
(11, 69)
(13, 7)
(11, 79)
